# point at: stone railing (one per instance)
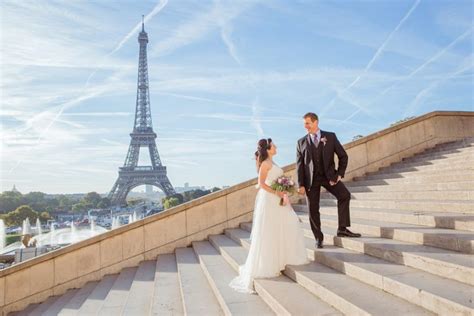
(53, 273)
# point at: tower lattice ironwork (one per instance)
(131, 175)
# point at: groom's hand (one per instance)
(334, 183)
(301, 190)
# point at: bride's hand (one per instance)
(281, 193)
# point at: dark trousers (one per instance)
(343, 197)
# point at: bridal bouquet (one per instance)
(284, 184)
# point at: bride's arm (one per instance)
(262, 176)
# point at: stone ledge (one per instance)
(366, 154)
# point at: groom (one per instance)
(315, 168)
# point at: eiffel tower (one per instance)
(131, 175)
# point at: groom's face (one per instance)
(310, 126)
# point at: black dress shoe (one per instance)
(319, 243)
(346, 233)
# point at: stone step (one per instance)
(282, 294)
(445, 150)
(460, 241)
(26, 311)
(435, 178)
(413, 205)
(43, 306)
(347, 294)
(451, 165)
(140, 295)
(465, 142)
(460, 173)
(434, 293)
(445, 263)
(457, 221)
(437, 294)
(415, 195)
(421, 178)
(407, 187)
(219, 273)
(58, 304)
(167, 298)
(115, 300)
(191, 277)
(74, 304)
(438, 156)
(447, 162)
(94, 301)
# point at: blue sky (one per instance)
(222, 75)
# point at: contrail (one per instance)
(256, 117)
(429, 60)
(416, 101)
(155, 10)
(150, 15)
(225, 34)
(374, 58)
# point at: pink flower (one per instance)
(324, 140)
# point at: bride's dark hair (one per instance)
(261, 154)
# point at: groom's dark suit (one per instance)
(315, 168)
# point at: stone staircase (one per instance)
(415, 256)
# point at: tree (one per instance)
(135, 201)
(214, 189)
(357, 137)
(170, 202)
(78, 207)
(65, 203)
(178, 196)
(16, 217)
(92, 199)
(44, 217)
(9, 201)
(104, 203)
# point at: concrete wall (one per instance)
(53, 273)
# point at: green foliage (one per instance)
(10, 200)
(170, 202)
(91, 198)
(16, 217)
(187, 196)
(104, 203)
(135, 201)
(9, 239)
(44, 217)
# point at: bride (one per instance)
(276, 237)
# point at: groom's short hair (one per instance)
(311, 115)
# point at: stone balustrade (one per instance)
(71, 267)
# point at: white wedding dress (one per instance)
(276, 239)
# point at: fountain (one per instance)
(115, 222)
(130, 218)
(73, 230)
(2, 235)
(134, 217)
(26, 227)
(38, 227)
(51, 234)
(92, 225)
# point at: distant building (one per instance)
(148, 189)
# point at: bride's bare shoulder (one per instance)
(266, 164)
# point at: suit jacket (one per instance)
(304, 163)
